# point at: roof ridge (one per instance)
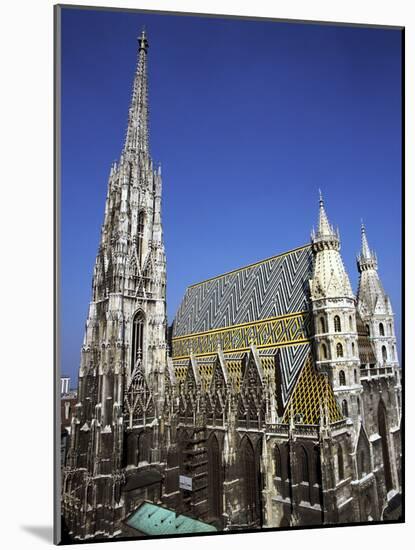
(249, 265)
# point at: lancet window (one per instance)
(337, 324)
(138, 339)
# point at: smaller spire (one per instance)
(324, 228)
(367, 258)
(366, 252)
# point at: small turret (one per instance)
(367, 258)
(374, 305)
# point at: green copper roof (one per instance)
(155, 520)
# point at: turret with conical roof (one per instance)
(334, 313)
(329, 276)
(374, 305)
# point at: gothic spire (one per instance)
(367, 258)
(329, 275)
(371, 296)
(136, 140)
(325, 231)
(324, 227)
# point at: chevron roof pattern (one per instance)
(274, 287)
(270, 288)
(312, 393)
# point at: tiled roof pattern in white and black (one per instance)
(270, 288)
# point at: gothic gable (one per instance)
(138, 401)
(251, 399)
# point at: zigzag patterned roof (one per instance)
(270, 288)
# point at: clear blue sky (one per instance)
(249, 119)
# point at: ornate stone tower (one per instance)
(375, 307)
(381, 380)
(334, 314)
(123, 358)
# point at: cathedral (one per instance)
(273, 400)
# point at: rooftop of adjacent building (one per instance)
(150, 519)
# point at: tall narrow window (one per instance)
(350, 322)
(317, 465)
(304, 466)
(340, 462)
(368, 330)
(358, 406)
(353, 349)
(383, 432)
(323, 351)
(384, 354)
(322, 325)
(251, 477)
(355, 376)
(140, 236)
(214, 478)
(337, 324)
(277, 462)
(138, 339)
(342, 378)
(339, 350)
(381, 329)
(361, 463)
(345, 408)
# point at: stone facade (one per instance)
(274, 399)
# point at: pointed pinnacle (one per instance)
(142, 40)
(366, 253)
(324, 227)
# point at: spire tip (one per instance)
(142, 40)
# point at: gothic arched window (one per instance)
(353, 349)
(304, 466)
(143, 447)
(384, 354)
(358, 406)
(340, 462)
(277, 462)
(350, 322)
(322, 325)
(339, 350)
(368, 330)
(355, 376)
(361, 464)
(381, 329)
(140, 235)
(137, 340)
(383, 432)
(323, 351)
(317, 465)
(337, 324)
(342, 378)
(214, 478)
(345, 408)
